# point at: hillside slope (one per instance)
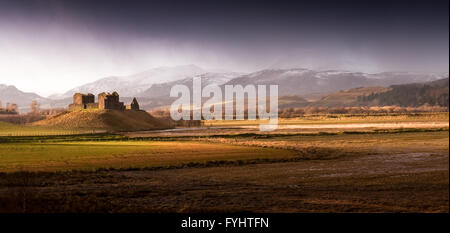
(434, 93)
(348, 97)
(109, 120)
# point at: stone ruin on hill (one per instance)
(134, 105)
(83, 101)
(105, 101)
(110, 101)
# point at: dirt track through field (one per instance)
(299, 128)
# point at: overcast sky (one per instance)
(50, 46)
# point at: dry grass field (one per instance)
(324, 119)
(228, 169)
(7, 129)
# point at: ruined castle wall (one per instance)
(110, 101)
(91, 106)
(88, 99)
(134, 104)
(101, 100)
(105, 101)
(114, 105)
(73, 107)
(78, 99)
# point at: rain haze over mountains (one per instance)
(140, 48)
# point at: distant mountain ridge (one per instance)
(133, 84)
(163, 89)
(152, 87)
(291, 81)
(304, 81)
(296, 82)
(10, 94)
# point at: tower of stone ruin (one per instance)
(110, 101)
(101, 100)
(134, 105)
(79, 98)
(83, 101)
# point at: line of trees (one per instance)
(317, 110)
(415, 95)
(299, 112)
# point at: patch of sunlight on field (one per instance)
(7, 129)
(114, 154)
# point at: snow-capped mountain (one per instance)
(136, 83)
(153, 87)
(143, 88)
(156, 82)
(163, 89)
(304, 81)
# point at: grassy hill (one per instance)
(292, 101)
(105, 120)
(8, 129)
(348, 97)
(335, 99)
(434, 93)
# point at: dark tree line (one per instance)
(412, 95)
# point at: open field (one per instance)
(7, 129)
(331, 123)
(403, 183)
(308, 123)
(66, 156)
(313, 119)
(214, 169)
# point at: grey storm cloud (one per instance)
(67, 43)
